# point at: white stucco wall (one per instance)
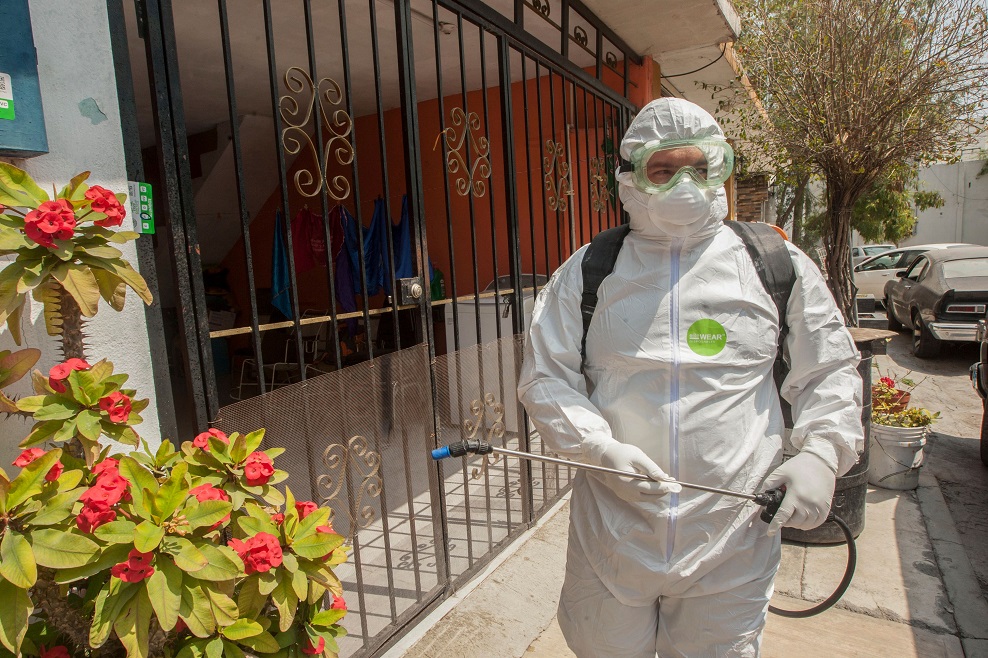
(75, 66)
(964, 216)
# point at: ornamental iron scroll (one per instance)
(555, 171)
(598, 185)
(580, 36)
(324, 95)
(541, 6)
(485, 411)
(354, 475)
(457, 145)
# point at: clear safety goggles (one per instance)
(660, 165)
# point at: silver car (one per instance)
(871, 275)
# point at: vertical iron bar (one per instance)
(520, 14)
(178, 187)
(551, 173)
(283, 176)
(147, 265)
(539, 173)
(514, 252)
(600, 55)
(310, 33)
(589, 170)
(582, 166)
(531, 219)
(476, 283)
(564, 97)
(385, 521)
(345, 51)
(564, 29)
(508, 173)
(601, 216)
(231, 95)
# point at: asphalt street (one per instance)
(952, 453)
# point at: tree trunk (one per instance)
(837, 242)
(797, 215)
(73, 339)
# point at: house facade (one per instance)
(355, 204)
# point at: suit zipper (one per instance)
(677, 250)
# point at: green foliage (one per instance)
(176, 554)
(79, 260)
(887, 212)
(77, 412)
(13, 366)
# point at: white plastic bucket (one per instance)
(896, 456)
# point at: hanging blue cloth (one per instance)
(281, 297)
(375, 249)
(401, 239)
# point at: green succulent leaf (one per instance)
(56, 407)
(116, 532)
(188, 558)
(31, 479)
(263, 642)
(17, 608)
(173, 492)
(17, 562)
(111, 555)
(165, 592)
(222, 563)
(317, 545)
(62, 550)
(111, 599)
(207, 512)
(14, 365)
(59, 507)
(148, 536)
(18, 189)
(132, 625)
(223, 606)
(195, 609)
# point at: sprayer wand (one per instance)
(769, 500)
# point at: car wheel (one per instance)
(894, 325)
(925, 345)
(984, 433)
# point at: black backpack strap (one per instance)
(598, 262)
(773, 264)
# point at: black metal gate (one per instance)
(361, 201)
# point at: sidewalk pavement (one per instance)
(914, 594)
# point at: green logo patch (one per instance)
(706, 337)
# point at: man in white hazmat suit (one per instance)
(678, 384)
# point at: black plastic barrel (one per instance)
(851, 492)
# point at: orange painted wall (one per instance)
(585, 140)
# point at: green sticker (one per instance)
(706, 337)
(6, 97)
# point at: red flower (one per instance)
(58, 374)
(202, 440)
(314, 650)
(108, 465)
(338, 603)
(92, 517)
(105, 202)
(181, 626)
(305, 508)
(260, 553)
(117, 405)
(31, 454)
(136, 568)
(52, 220)
(209, 492)
(109, 489)
(888, 381)
(58, 651)
(278, 518)
(258, 469)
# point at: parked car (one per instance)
(871, 275)
(979, 378)
(862, 252)
(941, 297)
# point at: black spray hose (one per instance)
(769, 500)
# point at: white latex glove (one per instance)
(809, 486)
(625, 457)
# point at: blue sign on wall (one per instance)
(22, 117)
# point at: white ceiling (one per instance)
(200, 55)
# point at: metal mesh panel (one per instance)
(357, 440)
(486, 498)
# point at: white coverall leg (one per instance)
(679, 358)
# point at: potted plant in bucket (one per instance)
(898, 435)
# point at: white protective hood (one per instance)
(668, 119)
(679, 363)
